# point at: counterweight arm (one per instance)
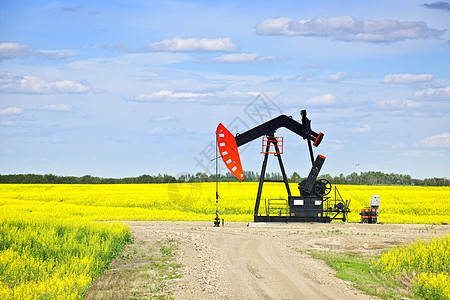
(269, 128)
(228, 144)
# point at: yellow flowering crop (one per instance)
(196, 201)
(51, 258)
(432, 286)
(401, 204)
(427, 261)
(52, 244)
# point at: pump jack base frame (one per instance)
(309, 211)
(292, 219)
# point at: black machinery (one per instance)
(314, 203)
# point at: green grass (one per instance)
(144, 271)
(357, 269)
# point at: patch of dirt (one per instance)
(237, 261)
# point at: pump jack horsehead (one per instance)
(313, 204)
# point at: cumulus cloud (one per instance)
(363, 129)
(243, 58)
(325, 99)
(17, 51)
(434, 93)
(180, 44)
(11, 111)
(441, 140)
(339, 76)
(399, 104)
(406, 78)
(36, 85)
(438, 5)
(347, 28)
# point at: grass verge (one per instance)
(357, 269)
(145, 270)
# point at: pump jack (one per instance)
(312, 205)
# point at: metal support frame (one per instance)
(326, 214)
(263, 174)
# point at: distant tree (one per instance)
(370, 178)
(353, 178)
(168, 178)
(295, 177)
(200, 177)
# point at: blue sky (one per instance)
(124, 88)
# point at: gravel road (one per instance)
(266, 261)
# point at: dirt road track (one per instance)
(268, 262)
(262, 269)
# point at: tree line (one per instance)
(363, 178)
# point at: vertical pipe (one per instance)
(261, 182)
(217, 179)
(217, 220)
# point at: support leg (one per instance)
(261, 182)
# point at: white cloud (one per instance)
(58, 107)
(325, 99)
(237, 58)
(179, 44)
(406, 78)
(274, 26)
(339, 76)
(365, 128)
(399, 104)
(194, 96)
(15, 50)
(36, 85)
(347, 28)
(243, 58)
(11, 111)
(439, 93)
(170, 96)
(441, 140)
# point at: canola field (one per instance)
(196, 201)
(427, 262)
(54, 241)
(54, 258)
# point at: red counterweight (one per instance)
(229, 151)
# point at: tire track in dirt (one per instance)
(263, 270)
(240, 262)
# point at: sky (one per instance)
(125, 88)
